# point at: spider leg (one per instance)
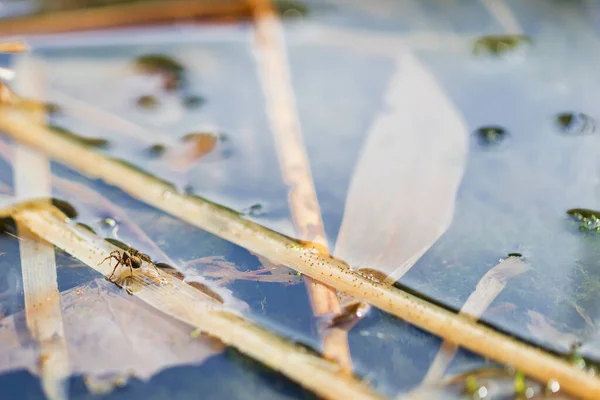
(114, 269)
(111, 255)
(156, 268)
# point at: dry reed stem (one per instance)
(122, 15)
(270, 54)
(14, 47)
(40, 285)
(229, 225)
(181, 301)
(488, 288)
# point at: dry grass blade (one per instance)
(285, 125)
(231, 226)
(40, 285)
(119, 15)
(197, 309)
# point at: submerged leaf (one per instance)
(402, 194)
(544, 330)
(110, 334)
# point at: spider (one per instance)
(131, 258)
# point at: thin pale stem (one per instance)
(40, 285)
(269, 50)
(488, 288)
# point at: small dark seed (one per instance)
(571, 123)
(117, 243)
(254, 210)
(490, 135)
(156, 150)
(86, 227)
(147, 102)
(193, 101)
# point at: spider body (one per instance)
(131, 258)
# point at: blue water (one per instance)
(512, 198)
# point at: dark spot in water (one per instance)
(580, 213)
(171, 71)
(117, 243)
(589, 220)
(193, 101)
(254, 210)
(156, 150)
(291, 8)
(86, 141)
(65, 207)
(170, 270)
(570, 123)
(86, 227)
(207, 291)
(159, 63)
(515, 255)
(499, 44)
(147, 101)
(490, 135)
